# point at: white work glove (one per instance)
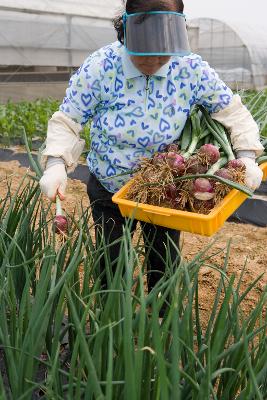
(253, 173)
(54, 179)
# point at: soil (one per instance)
(248, 244)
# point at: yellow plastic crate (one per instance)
(186, 221)
(264, 168)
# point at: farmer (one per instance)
(138, 92)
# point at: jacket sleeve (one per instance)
(63, 140)
(243, 129)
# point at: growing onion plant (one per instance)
(63, 337)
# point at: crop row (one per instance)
(62, 337)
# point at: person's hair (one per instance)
(135, 6)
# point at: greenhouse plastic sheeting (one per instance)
(236, 50)
(61, 33)
(104, 9)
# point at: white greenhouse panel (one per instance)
(90, 34)
(62, 33)
(50, 40)
(104, 9)
(237, 51)
(33, 30)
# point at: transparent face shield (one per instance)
(156, 33)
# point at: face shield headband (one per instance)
(156, 33)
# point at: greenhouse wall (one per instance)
(50, 40)
(42, 43)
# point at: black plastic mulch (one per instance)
(252, 211)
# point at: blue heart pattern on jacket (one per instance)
(130, 121)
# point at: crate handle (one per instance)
(158, 213)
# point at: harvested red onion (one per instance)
(176, 162)
(235, 164)
(176, 203)
(172, 147)
(193, 166)
(204, 206)
(61, 224)
(173, 154)
(203, 189)
(224, 173)
(60, 221)
(170, 191)
(159, 158)
(211, 152)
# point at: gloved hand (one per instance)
(253, 173)
(54, 179)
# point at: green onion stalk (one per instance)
(219, 164)
(197, 134)
(219, 134)
(262, 159)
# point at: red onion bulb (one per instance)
(170, 191)
(60, 221)
(224, 173)
(172, 147)
(159, 158)
(176, 162)
(235, 164)
(60, 224)
(211, 152)
(202, 189)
